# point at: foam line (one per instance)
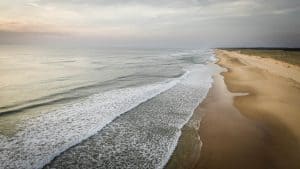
(47, 136)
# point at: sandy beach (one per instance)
(143, 84)
(250, 118)
(265, 131)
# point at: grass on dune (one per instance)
(289, 56)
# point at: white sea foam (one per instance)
(146, 136)
(200, 77)
(47, 136)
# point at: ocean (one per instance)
(88, 107)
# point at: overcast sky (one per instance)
(162, 23)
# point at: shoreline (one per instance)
(189, 146)
(230, 140)
(243, 123)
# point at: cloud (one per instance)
(174, 3)
(33, 4)
(144, 19)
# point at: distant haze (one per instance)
(150, 23)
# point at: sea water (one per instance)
(63, 107)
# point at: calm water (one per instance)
(122, 108)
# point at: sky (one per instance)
(159, 23)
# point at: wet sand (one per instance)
(230, 140)
(260, 130)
